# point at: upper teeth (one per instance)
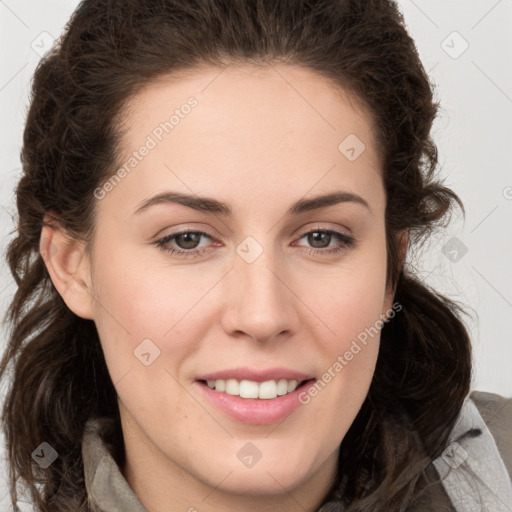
(251, 389)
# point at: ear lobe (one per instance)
(69, 268)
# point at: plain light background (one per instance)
(466, 47)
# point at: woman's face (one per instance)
(261, 296)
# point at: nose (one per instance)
(259, 302)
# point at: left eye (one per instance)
(324, 237)
(187, 242)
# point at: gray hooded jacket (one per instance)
(476, 471)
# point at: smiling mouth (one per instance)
(266, 390)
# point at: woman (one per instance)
(213, 310)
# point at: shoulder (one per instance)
(496, 411)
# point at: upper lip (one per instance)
(246, 373)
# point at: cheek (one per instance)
(136, 303)
(349, 301)
(350, 349)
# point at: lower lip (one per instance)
(255, 411)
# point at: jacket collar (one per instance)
(107, 489)
(473, 472)
(475, 476)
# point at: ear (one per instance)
(403, 245)
(69, 267)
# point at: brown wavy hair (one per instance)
(110, 49)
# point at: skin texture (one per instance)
(259, 139)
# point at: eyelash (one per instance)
(346, 241)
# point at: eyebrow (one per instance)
(210, 205)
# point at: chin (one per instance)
(262, 481)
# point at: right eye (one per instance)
(188, 239)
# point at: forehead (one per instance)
(250, 129)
